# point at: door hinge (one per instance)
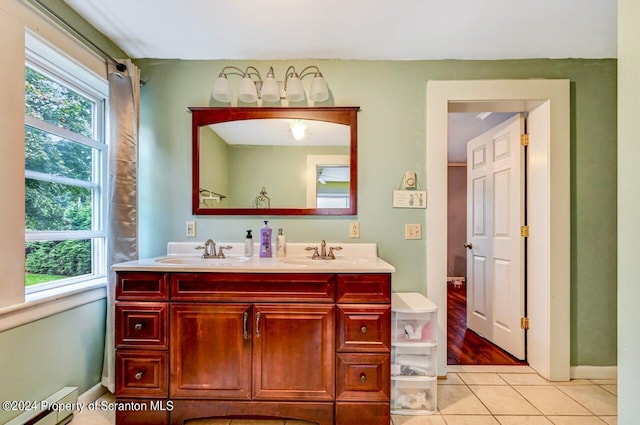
(524, 140)
(524, 323)
(524, 231)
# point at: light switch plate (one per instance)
(413, 231)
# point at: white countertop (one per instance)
(184, 257)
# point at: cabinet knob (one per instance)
(138, 376)
(138, 326)
(363, 378)
(363, 329)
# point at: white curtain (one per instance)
(122, 208)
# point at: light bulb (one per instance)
(298, 128)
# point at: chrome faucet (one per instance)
(322, 255)
(210, 249)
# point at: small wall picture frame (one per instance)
(409, 199)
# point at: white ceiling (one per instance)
(277, 132)
(361, 29)
(356, 29)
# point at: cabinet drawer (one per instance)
(362, 377)
(142, 286)
(364, 288)
(253, 287)
(141, 325)
(364, 328)
(141, 374)
(362, 413)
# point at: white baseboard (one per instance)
(594, 372)
(91, 395)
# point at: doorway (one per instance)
(485, 251)
(549, 247)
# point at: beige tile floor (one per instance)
(484, 395)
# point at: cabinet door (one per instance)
(294, 352)
(210, 351)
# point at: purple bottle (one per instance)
(265, 241)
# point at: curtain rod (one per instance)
(119, 66)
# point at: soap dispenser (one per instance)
(248, 244)
(281, 244)
(265, 241)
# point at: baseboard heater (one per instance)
(54, 410)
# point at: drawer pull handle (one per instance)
(138, 326)
(245, 332)
(258, 325)
(363, 378)
(138, 376)
(363, 329)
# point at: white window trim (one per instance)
(39, 305)
(50, 299)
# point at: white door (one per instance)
(495, 212)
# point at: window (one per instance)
(65, 170)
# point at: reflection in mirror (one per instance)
(328, 180)
(284, 162)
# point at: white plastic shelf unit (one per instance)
(414, 330)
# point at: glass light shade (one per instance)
(247, 91)
(222, 90)
(295, 91)
(319, 90)
(270, 90)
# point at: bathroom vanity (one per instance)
(256, 338)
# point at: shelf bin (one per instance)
(414, 318)
(414, 335)
(413, 396)
(413, 360)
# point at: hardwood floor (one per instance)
(465, 347)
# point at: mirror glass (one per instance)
(274, 161)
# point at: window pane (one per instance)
(55, 206)
(332, 202)
(57, 104)
(48, 261)
(50, 154)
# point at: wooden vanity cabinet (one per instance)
(302, 346)
(141, 341)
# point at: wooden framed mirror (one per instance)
(274, 160)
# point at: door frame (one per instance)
(549, 299)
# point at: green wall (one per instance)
(391, 140)
(41, 357)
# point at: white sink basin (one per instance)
(203, 262)
(337, 262)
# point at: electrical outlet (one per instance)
(354, 230)
(191, 229)
(413, 231)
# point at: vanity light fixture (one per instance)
(298, 129)
(253, 87)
